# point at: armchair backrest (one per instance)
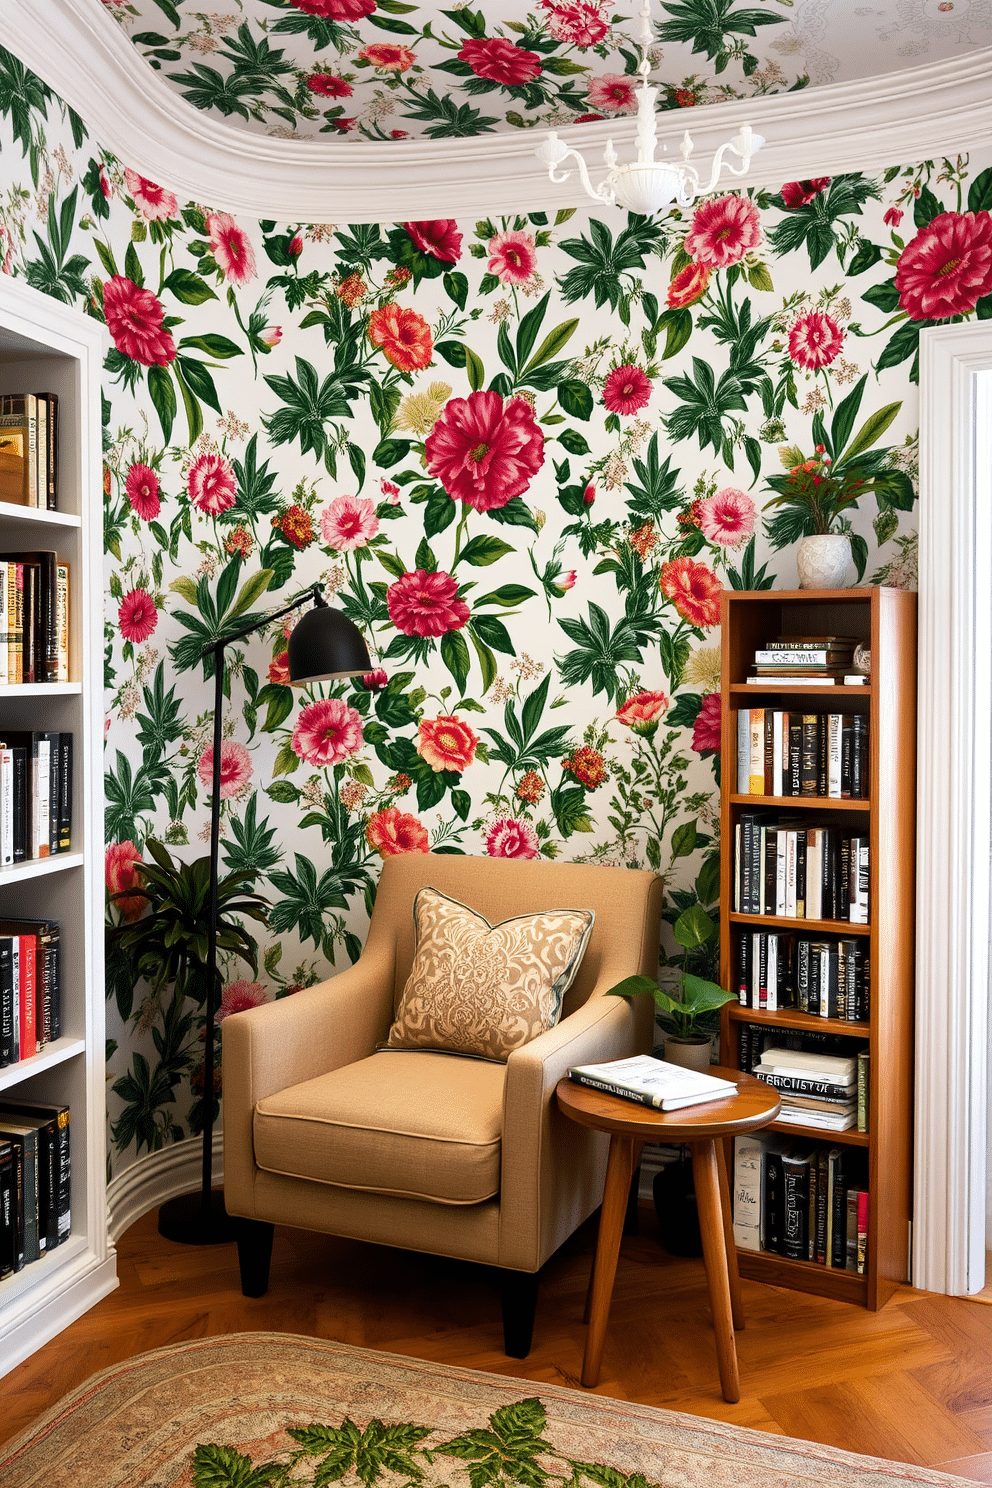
(626, 902)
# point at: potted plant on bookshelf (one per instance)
(692, 1018)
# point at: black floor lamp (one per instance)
(323, 646)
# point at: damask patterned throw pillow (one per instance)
(483, 989)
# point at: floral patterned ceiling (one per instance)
(393, 69)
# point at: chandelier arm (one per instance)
(603, 193)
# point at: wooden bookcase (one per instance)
(886, 620)
(47, 346)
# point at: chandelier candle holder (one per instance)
(647, 185)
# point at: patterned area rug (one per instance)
(271, 1410)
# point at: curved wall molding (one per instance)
(83, 54)
(158, 1176)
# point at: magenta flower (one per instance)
(211, 484)
(231, 248)
(134, 319)
(348, 523)
(235, 768)
(142, 490)
(327, 732)
(612, 93)
(727, 518)
(801, 193)
(706, 730)
(947, 268)
(815, 340)
(723, 229)
(336, 10)
(440, 238)
(122, 867)
(500, 61)
(626, 389)
(512, 257)
(576, 22)
(426, 604)
(154, 203)
(238, 996)
(485, 451)
(511, 838)
(137, 616)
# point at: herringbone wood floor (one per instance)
(912, 1382)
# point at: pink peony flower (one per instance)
(211, 484)
(348, 523)
(137, 616)
(134, 319)
(238, 996)
(576, 22)
(328, 85)
(511, 838)
(723, 229)
(235, 768)
(154, 204)
(336, 10)
(142, 490)
(706, 730)
(123, 875)
(231, 248)
(947, 268)
(693, 589)
(403, 337)
(626, 389)
(643, 712)
(727, 518)
(815, 340)
(426, 604)
(440, 238)
(393, 831)
(612, 93)
(688, 286)
(387, 57)
(512, 257)
(485, 451)
(375, 681)
(326, 732)
(6, 250)
(447, 743)
(501, 62)
(801, 193)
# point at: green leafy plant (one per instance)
(694, 1013)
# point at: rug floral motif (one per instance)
(272, 1410)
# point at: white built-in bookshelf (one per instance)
(47, 346)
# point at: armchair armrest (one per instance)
(268, 1048)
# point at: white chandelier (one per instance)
(647, 185)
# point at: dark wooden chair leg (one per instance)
(519, 1294)
(254, 1256)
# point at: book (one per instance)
(41, 651)
(815, 680)
(795, 1217)
(23, 1137)
(806, 657)
(64, 834)
(800, 1085)
(861, 1260)
(62, 621)
(821, 1121)
(856, 679)
(863, 1076)
(18, 450)
(7, 1206)
(54, 1122)
(652, 1082)
(748, 1177)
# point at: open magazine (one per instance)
(652, 1082)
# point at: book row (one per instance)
(800, 871)
(30, 987)
(35, 1182)
(29, 449)
(34, 617)
(802, 754)
(754, 1038)
(826, 1091)
(35, 794)
(805, 1203)
(830, 978)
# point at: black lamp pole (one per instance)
(324, 645)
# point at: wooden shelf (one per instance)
(792, 1018)
(804, 1276)
(849, 1138)
(815, 803)
(785, 684)
(790, 922)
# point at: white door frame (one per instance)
(954, 812)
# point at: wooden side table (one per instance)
(630, 1125)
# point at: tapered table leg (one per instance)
(705, 1172)
(624, 1152)
(736, 1305)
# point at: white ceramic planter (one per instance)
(689, 1053)
(824, 561)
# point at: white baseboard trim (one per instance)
(158, 1176)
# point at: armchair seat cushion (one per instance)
(417, 1125)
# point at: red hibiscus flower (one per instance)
(328, 85)
(279, 669)
(389, 58)
(137, 616)
(123, 875)
(326, 732)
(447, 743)
(815, 340)
(947, 268)
(643, 712)
(231, 248)
(626, 389)
(723, 229)
(134, 319)
(336, 10)
(142, 490)
(511, 838)
(394, 831)
(685, 98)
(374, 681)
(688, 286)
(153, 202)
(211, 484)
(893, 217)
(579, 23)
(800, 193)
(513, 257)
(403, 337)
(235, 768)
(501, 62)
(485, 451)
(426, 604)
(440, 238)
(706, 730)
(693, 589)
(613, 93)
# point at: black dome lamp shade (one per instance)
(325, 645)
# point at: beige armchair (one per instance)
(433, 1152)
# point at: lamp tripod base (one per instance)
(197, 1219)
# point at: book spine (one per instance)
(814, 1186)
(6, 806)
(62, 622)
(795, 1181)
(863, 1091)
(851, 1239)
(779, 750)
(803, 1085)
(838, 1206)
(743, 966)
(802, 975)
(756, 770)
(814, 894)
(55, 939)
(809, 770)
(4, 623)
(6, 1002)
(18, 1195)
(7, 1216)
(822, 1185)
(64, 1175)
(54, 785)
(800, 873)
(611, 1089)
(762, 998)
(65, 793)
(743, 717)
(53, 452)
(795, 753)
(748, 1157)
(15, 980)
(835, 723)
(28, 996)
(41, 474)
(774, 1206)
(859, 756)
(862, 1241)
(773, 972)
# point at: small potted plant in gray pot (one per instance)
(692, 1017)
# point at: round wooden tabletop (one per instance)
(755, 1104)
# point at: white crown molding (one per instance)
(85, 56)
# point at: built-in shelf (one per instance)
(815, 803)
(38, 867)
(50, 1056)
(10, 511)
(40, 689)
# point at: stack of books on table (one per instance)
(652, 1082)
(816, 1090)
(807, 660)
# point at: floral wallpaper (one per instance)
(525, 455)
(389, 69)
